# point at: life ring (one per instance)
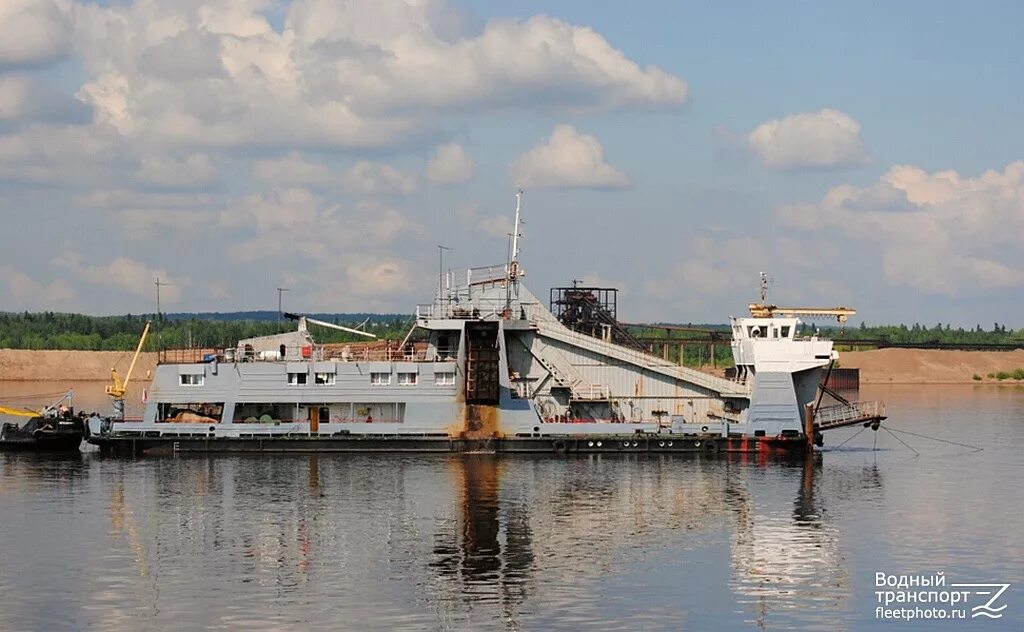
(711, 447)
(560, 446)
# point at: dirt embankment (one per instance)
(70, 366)
(931, 366)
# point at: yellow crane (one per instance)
(18, 412)
(116, 389)
(764, 310)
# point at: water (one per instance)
(475, 542)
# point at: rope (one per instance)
(916, 453)
(849, 438)
(963, 445)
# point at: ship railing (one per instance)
(441, 354)
(315, 353)
(596, 392)
(188, 356)
(474, 309)
(847, 414)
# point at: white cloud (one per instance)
(450, 165)
(34, 31)
(123, 273)
(292, 169)
(376, 178)
(939, 233)
(828, 138)
(25, 293)
(343, 75)
(566, 159)
(169, 171)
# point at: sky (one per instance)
(860, 155)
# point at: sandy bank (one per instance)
(930, 366)
(70, 366)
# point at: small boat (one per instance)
(56, 428)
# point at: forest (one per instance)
(54, 330)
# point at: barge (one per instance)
(486, 367)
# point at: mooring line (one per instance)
(963, 445)
(849, 438)
(916, 453)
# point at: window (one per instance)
(380, 379)
(407, 379)
(191, 380)
(323, 378)
(298, 378)
(444, 378)
(785, 331)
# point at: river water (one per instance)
(478, 542)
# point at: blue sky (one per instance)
(862, 155)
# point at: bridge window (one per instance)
(785, 331)
(407, 379)
(324, 378)
(444, 378)
(380, 379)
(191, 380)
(298, 378)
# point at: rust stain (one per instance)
(476, 421)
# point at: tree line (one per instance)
(55, 330)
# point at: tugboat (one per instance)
(56, 428)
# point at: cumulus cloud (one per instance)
(34, 31)
(450, 165)
(123, 273)
(376, 178)
(24, 292)
(940, 233)
(567, 159)
(341, 75)
(828, 138)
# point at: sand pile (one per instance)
(930, 366)
(70, 366)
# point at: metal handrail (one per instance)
(845, 413)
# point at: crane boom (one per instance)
(339, 327)
(116, 388)
(760, 310)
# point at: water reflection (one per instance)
(485, 552)
(468, 541)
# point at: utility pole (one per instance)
(280, 291)
(440, 271)
(159, 284)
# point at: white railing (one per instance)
(843, 414)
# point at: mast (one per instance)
(513, 268)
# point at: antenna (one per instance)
(440, 271)
(159, 284)
(280, 291)
(513, 269)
